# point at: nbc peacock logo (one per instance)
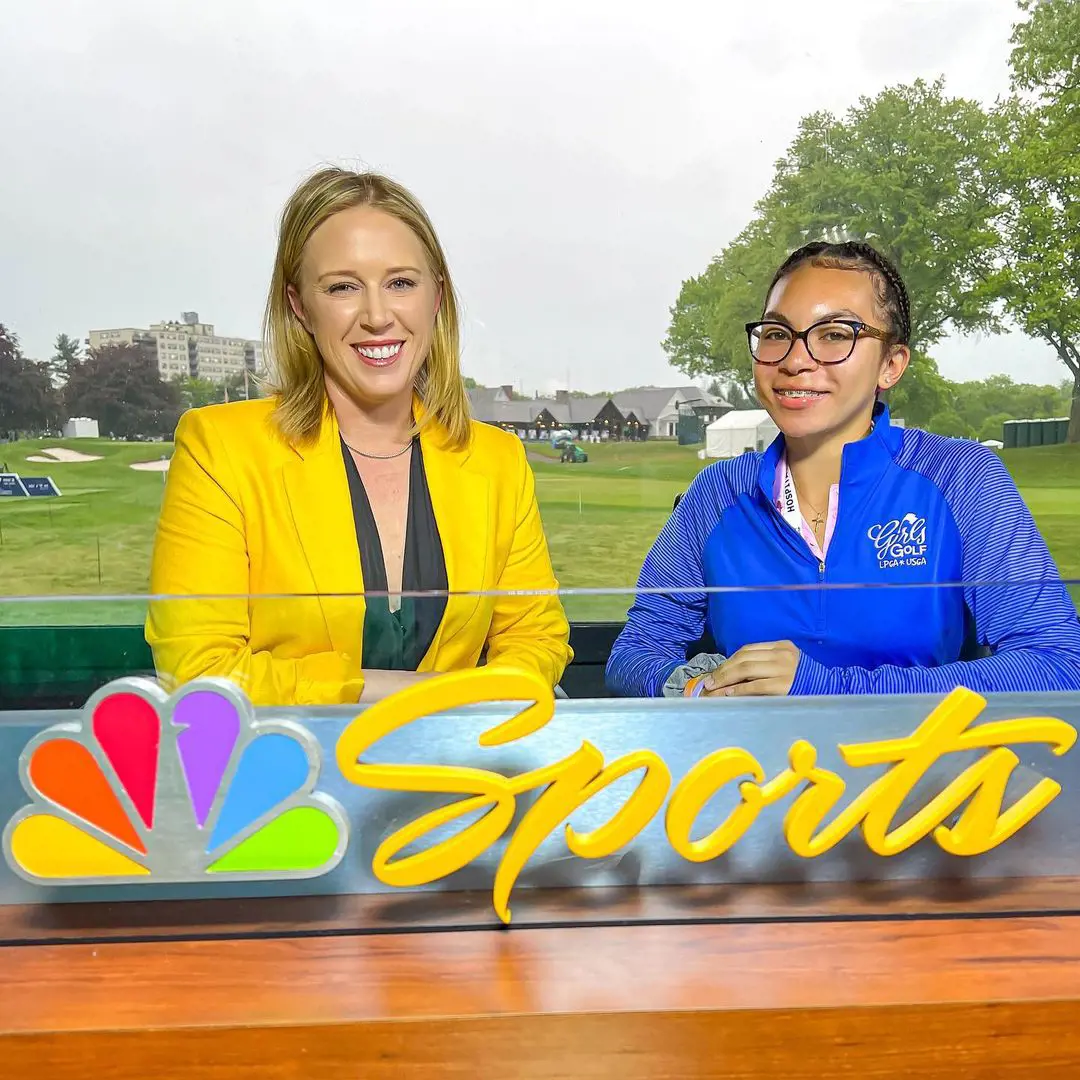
(189, 788)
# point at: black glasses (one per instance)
(830, 342)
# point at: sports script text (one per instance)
(569, 783)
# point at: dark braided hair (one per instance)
(889, 288)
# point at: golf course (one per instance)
(600, 517)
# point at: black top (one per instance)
(398, 640)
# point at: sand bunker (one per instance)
(151, 466)
(50, 457)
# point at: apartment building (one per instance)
(188, 347)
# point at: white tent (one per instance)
(81, 427)
(734, 432)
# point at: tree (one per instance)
(706, 335)
(243, 386)
(66, 358)
(950, 422)
(908, 172)
(993, 427)
(921, 395)
(27, 402)
(905, 171)
(997, 396)
(733, 393)
(195, 393)
(119, 386)
(1039, 168)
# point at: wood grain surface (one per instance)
(989, 997)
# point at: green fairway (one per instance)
(93, 540)
(626, 491)
(600, 518)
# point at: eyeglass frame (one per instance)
(858, 327)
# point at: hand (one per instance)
(379, 683)
(754, 671)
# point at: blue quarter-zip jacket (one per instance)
(932, 540)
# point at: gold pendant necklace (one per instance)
(817, 522)
(819, 515)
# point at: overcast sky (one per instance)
(579, 159)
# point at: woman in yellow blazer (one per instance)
(363, 471)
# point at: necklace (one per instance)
(818, 520)
(378, 457)
(819, 515)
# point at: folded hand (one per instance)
(754, 671)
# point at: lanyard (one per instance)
(789, 498)
(788, 505)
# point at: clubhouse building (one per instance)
(652, 412)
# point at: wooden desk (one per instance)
(996, 996)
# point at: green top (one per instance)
(399, 640)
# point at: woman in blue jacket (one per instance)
(931, 531)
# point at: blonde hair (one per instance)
(298, 366)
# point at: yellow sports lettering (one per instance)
(697, 787)
(487, 789)
(581, 776)
(943, 732)
(565, 786)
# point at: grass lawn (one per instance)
(600, 519)
(602, 516)
(93, 540)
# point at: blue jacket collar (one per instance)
(864, 460)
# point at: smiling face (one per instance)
(811, 400)
(369, 298)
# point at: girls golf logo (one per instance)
(190, 788)
(900, 542)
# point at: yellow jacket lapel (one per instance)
(460, 498)
(318, 494)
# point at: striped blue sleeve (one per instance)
(1021, 607)
(660, 625)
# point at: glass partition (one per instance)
(284, 786)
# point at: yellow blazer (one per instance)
(247, 515)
